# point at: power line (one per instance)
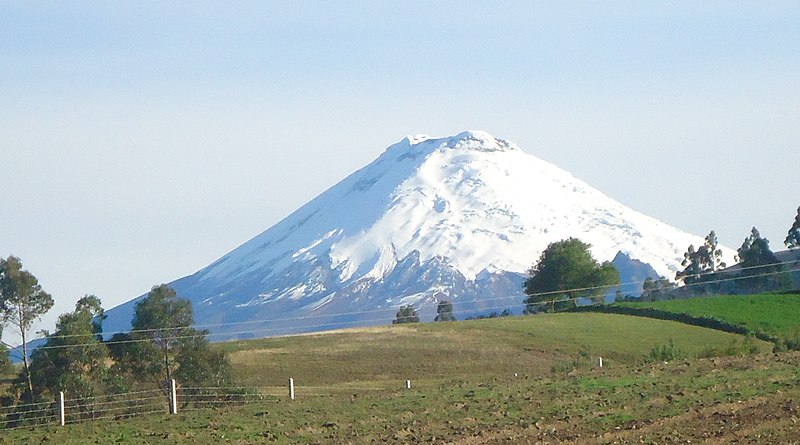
(374, 311)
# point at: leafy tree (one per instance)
(166, 321)
(698, 264)
(73, 358)
(711, 254)
(5, 363)
(759, 265)
(200, 366)
(792, 240)
(444, 311)
(406, 314)
(493, 314)
(136, 360)
(655, 290)
(692, 268)
(755, 251)
(163, 345)
(565, 271)
(22, 301)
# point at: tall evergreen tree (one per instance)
(22, 301)
(792, 240)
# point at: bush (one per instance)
(406, 314)
(583, 360)
(664, 353)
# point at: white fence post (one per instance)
(408, 384)
(61, 412)
(291, 388)
(173, 397)
(599, 362)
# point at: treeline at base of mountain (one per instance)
(758, 269)
(76, 360)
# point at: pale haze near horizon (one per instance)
(142, 141)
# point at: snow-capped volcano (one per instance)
(460, 217)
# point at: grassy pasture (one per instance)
(729, 400)
(492, 348)
(349, 386)
(774, 314)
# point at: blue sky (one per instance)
(142, 140)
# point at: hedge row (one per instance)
(705, 322)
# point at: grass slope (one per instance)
(465, 391)
(495, 347)
(774, 314)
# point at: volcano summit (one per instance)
(460, 218)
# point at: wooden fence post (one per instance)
(173, 397)
(62, 415)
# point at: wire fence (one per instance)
(65, 411)
(73, 410)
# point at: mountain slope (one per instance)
(461, 218)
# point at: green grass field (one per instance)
(465, 391)
(773, 314)
(498, 347)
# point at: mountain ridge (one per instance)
(461, 217)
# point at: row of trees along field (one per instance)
(566, 272)
(162, 345)
(407, 313)
(758, 268)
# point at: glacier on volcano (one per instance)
(460, 218)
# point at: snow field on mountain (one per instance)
(478, 201)
(461, 218)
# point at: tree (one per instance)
(692, 268)
(711, 254)
(166, 321)
(73, 358)
(5, 362)
(163, 344)
(444, 311)
(698, 264)
(792, 240)
(759, 265)
(200, 366)
(135, 359)
(565, 271)
(655, 290)
(406, 314)
(22, 301)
